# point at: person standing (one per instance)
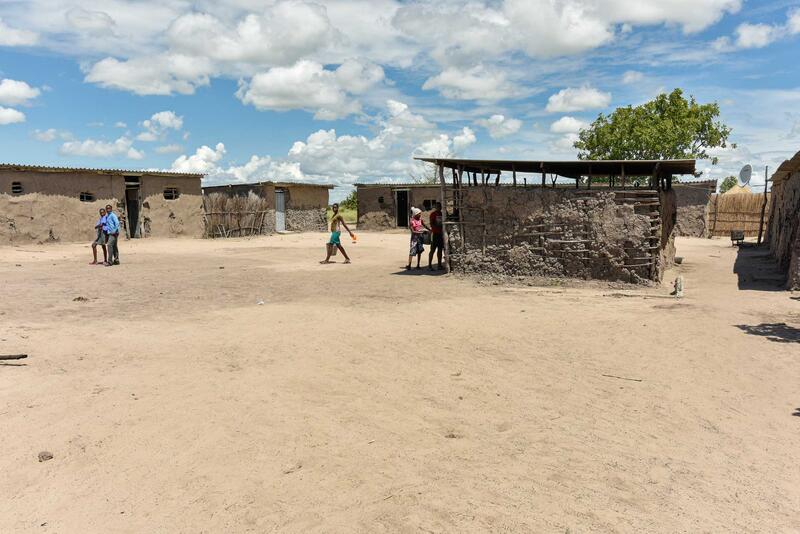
(437, 236)
(335, 241)
(112, 223)
(418, 228)
(100, 238)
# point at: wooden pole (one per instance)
(623, 175)
(763, 207)
(514, 175)
(445, 237)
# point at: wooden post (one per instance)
(514, 175)
(445, 237)
(623, 175)
(497, 180)
(589, 181)
(763, 206)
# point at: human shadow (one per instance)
(778, 332)
(423, 271)
(796, 412)
(757, 269)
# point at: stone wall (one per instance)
(784, 226)
(306, 220)
(563, 233)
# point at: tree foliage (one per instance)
(426, 176)
(668, 127)
(351, 202)
(727, 183)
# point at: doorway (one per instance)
(280, 211)
(401, 205)
(132, 203)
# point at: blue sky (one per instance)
(343, 91)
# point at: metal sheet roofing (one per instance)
(130, 172)
(572, 169)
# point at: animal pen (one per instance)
(615, 223)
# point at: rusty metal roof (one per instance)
(279, 184)
(572, 169)
(130, 172)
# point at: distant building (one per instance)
(383, 206)
(283, 206)
(39, 203)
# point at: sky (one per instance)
(348, 91)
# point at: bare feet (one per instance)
(326, 261)
(93, 263)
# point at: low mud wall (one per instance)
(40, 218)
(784, 227)
(562, 233)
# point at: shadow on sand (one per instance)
(778, 332)
(757, 270)
(418, 272)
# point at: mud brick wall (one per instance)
(591, 234)
(784, 227)
(692, 208)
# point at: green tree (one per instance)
(727, 183)
(668, 127)
(351, 202)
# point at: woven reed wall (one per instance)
(739, 211)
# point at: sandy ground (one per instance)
(361, 399)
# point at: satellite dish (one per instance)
(745, 174)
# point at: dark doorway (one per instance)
(132, 201)
(401, 202)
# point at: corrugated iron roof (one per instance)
(279, 184)
(46, 168)
(398, 184)
(572, 169)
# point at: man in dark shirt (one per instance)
(437, 236)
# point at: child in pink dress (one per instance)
(418, 229)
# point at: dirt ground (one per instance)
(358, 398)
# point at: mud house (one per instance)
(265, 207)
(520, 218)
(383, 206)
(61, 204)
(784, 222)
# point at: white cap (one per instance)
(415, 211)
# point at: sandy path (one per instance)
(357, 399)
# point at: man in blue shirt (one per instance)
(112, 224)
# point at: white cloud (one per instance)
(14, 37)
(755, 35)
(204, 160)
(168, 149)
(793, 23)
(565, 144)
(91, 22)
(51, 134)
(464, 139)
(101, 149)
(578, 99)
(156, 126)
(10, 116)
(277, 35)
(307, 85)
(152, 75)
(500, 126)
(475, 83)
(120, 124)
(15, 92)
(632, 76)
(568, 124)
